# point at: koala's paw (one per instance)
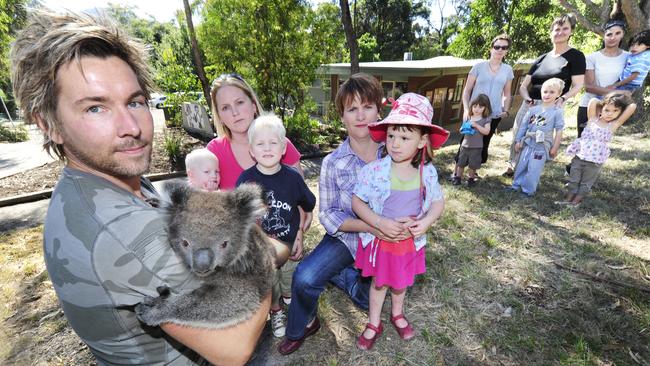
(152, 311)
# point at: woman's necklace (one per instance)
(494, 69)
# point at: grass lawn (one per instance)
(510, 281)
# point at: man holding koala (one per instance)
(86, 85)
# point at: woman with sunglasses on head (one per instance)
(562, 62)
(234, 107)
(494, 79)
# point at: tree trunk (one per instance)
(350, 36)
(196, 53)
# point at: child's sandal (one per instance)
(366, 344)
(405, 333)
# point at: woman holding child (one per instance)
(234, 107)
(562, 62)
(494, 79)
(603, 67)
(358, 102)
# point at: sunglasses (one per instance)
(497, 47)
(233, 75)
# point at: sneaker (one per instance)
(471, 182)
(278, 323)
(510, 189)
(456, 181)
(286, 300)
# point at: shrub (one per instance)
(173, 145)
(13, 134)
(300, 126)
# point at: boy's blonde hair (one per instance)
(554, 83)
(196, 157)
(270, 121)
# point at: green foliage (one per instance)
(12, 16)
(275, 45)
(328, 29)
(13, 134)
(368, 48)
(300, 126)
(149, 31)
(174, 74)
(391, 24)
(526, 21)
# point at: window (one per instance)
(388, 87)
(400, 88)
(439, 97)
(458, 91)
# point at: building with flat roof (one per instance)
(441, 79)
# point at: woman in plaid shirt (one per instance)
(358, 102)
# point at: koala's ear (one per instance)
(248, 198)
(178, 192)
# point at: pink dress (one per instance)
(230, 168)
(593, 145)
(394, 264)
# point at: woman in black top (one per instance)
(562, 62)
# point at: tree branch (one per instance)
(605, 12)
(589, 4)
(633, 15)
(603, 280)
(581, 18)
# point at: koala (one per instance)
(217, 236)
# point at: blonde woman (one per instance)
(234, 107)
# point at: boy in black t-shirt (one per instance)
(285, 191)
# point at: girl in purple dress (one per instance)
(399, 190)
(591, 150)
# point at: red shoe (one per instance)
(405, 333)
(366, 344)
(289, 346)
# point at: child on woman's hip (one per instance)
(591, 150)
(399, 195)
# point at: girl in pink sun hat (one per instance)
(399, 191)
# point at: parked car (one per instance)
(157, 100)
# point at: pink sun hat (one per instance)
(410, 109)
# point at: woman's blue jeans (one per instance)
(332, 262)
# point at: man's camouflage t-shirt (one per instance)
(105, 250)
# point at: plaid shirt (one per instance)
(338, 176)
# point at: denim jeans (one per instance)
(330, 261)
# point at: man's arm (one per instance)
(229, 346)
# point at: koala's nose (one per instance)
(203, 260)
